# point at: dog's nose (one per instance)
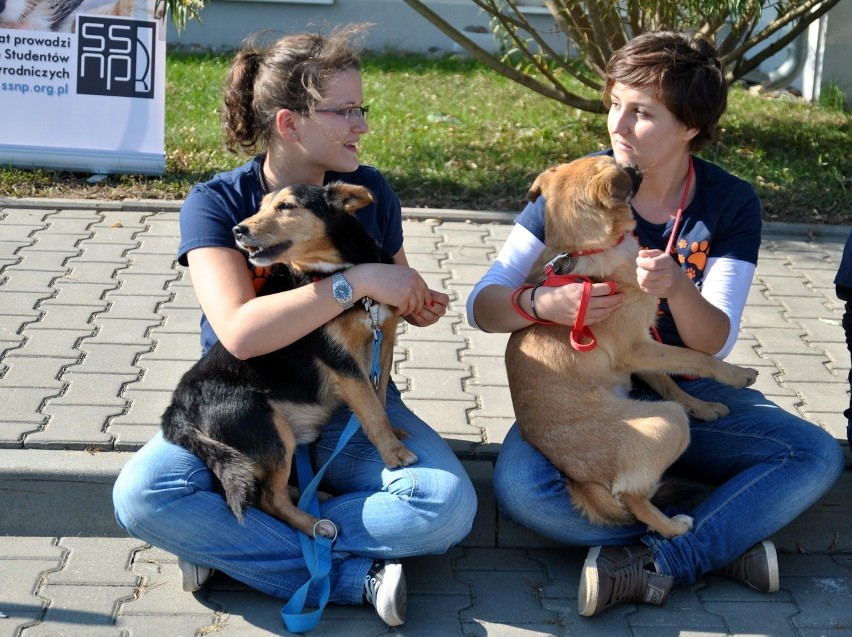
(635, 176)
(239, 231)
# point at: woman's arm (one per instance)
(248, 325)
(490, 304)
(707, 320)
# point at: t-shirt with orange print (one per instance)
(723, 220)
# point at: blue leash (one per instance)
(317, 549)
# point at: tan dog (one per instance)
(572, 405)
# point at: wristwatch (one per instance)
(341, 290)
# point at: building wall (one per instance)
(397, 26)
(837, 57)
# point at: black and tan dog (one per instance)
(244, 418)
(572, 405)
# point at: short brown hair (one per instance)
(290, 73)
(686, 72)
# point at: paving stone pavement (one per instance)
(97, 323)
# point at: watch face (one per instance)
(341, 290)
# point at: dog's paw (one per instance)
(707, 411)
(683, 523)
(740, 377)
(399, 456)
(750, 374)
(325, 528)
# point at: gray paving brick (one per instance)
(23, 372)
(22, 305)
(53, 260)
(170, 346)
(143, 284)
(161, 375)
(21, 405)
(24, 280)
(823, 602)
(76, 293)
(805, 368)
(492, 589)
(63, 317)
(125, 332)
(145, 407)
(60, 345)
(93, 389)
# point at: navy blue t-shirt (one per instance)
(723, 220)
(213, 208)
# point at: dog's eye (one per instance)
(285, 205)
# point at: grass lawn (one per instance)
(449, 132)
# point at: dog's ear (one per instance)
(348, 198)
(540, 182)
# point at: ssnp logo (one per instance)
(115, 57)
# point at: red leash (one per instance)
(582, 338)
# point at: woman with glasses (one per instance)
(298, 103)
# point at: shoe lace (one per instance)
(372, 584)
(629, 583)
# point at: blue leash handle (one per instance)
(317, 550)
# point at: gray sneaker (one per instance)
(384, 588)
(193, 576)
(757, 568)
(615, 575)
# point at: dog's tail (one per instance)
(598, 503)
(233, 468)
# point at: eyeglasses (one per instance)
(351, 112)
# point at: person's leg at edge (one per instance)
(167, 497)
(845, 295)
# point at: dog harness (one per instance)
(317, 550)
(556, 274)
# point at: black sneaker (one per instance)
(757, 567)
(384, 588)
(615, 575)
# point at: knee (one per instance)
(823, 455)
(447, 510)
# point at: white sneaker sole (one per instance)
(587, 595)
(774, 576)
(193, 576)
(393, 581)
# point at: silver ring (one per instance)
(333, 525)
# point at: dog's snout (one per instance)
(240, 231)
(635, 176)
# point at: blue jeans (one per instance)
(167, 497)
(767, 466)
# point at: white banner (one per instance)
(82, 85)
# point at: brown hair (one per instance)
(292, 73)
(686, 72)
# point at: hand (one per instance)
(658, 273)
(562, 304)
(397, 285)
(431, 312)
